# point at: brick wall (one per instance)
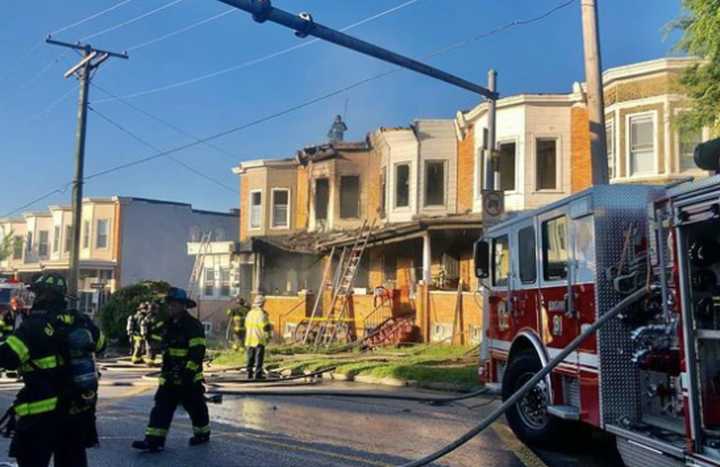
(287, 310)
(373, 187)
(302, 199)
(440, 308)
(666, 83)
(466, 171)
(581, 165)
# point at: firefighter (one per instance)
(135, 337)
(7, 323)
(40, 408)
(257, 334)
(152, 330)
(236, 324)
(181, 380)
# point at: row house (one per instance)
(123, 241)
(420, 188)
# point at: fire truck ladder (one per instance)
(343, 290)
(194, 285)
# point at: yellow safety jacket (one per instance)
(257, 328)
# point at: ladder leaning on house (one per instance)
(194, 283)
(338, 312)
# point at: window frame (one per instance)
(705, 134)
(272, 209)
(106, 235)
(260, 210)
(396, 185)
(359, 197)
(316, 216)
(531, 257)
(225, 289)
(554, 216)
(18, 247)
(67, 244)
(612, 156)
(29, 241)
(444, 191)
(493, 263)
(653, 114)
(56, 239)
(43, 243)
(500, 144)
(209, 283)
(87, 230)
(558, 173)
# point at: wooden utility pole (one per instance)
(596, 100)
(92, 59)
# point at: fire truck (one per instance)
(650, 376)
(10, 289)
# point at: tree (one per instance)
(6, 246)
(124, 302)
(700, 26)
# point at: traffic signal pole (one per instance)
(92, 59)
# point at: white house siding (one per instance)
(154, 237)
(437, 140)
(402, 147)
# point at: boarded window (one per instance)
(349, 197)
(434, 183)
(102, 233)
(642, 144)
(506, 166)
(322, 198)
(402, 186)
(546, 157)
(555, 249)
(43, 243)
(501, 261)
(255, 209)
(280, 208)
(526, 249)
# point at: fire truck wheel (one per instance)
(528, 418)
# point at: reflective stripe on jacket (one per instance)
(257, 328)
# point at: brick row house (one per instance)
(420, 188)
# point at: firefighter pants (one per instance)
(238, 340)
(255, 360)
(35, 443)
(167, 398)
(138, 349)
(153, 348)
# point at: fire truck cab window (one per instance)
(526, 249)
(501, 261)
(555, 249)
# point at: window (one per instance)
(383, 191)
(85, 235)
(255, 209)
(501, 261)
(280, 208)
(689, 139)
(225, 282)
(527, 257)
(435, 183)
(43, 243)
(610, 145)
(209, 284)
(322, 198)
(642, 144)
(56, 239)
(69, 236)
(584, 250)
(555, 250)
(102, 233)
(349, 197)
(18, 247)
(506, 166)
(402, 185)
(86, 302)
(29, 242)
(546, 160)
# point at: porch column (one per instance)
(427, 259)
(258, 273)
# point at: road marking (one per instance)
(524, 453)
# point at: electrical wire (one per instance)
(90, 18)
(54, 104)
(190, 27)
(155, 148)
(130, 21)
(259, 60)
(306, 103)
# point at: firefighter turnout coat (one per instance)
(257, 328)
(184, 351)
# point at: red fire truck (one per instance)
(651, 376)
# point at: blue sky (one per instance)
(37, 125)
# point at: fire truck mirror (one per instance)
(482, 259)
(707, 155)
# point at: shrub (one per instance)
(124, 302)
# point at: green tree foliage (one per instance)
(700, 26)
(6, 246)
(114, 314)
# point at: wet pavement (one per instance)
(312, 431)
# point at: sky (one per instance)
(38, 107)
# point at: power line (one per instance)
(256, 61)
(156, 149)
(131, 21)
(90, 18)
(181, 30)
(309, 102)
(53, 104)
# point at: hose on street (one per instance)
(512, 400)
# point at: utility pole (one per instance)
(91, 61)
(491, 162)
(595, 97)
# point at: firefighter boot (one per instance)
(149, 445)
(199, 439)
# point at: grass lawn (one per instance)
(421, 363)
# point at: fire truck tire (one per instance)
(528, 418)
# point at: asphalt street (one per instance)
(263, 431)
